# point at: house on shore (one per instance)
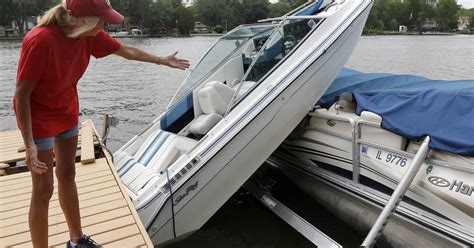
(200, 27)
(188, 3)
(3, 32)
(463, 23)
(430, 26)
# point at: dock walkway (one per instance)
(108, 215)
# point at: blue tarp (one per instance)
(414, 106)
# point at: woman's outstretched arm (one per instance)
(134, 53)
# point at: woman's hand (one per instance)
(134, 53)
(34, 165)
(174, 62)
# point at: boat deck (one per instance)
(108, 215)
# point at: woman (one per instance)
(54, 56)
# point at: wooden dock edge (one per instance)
(108, 157)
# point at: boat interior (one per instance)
(233, 67)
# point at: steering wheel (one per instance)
(289, 42)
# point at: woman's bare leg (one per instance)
(65, 152)
(43, 186)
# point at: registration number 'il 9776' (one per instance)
(391, 158)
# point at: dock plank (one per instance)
(83, 187)
(108, 214)
(11, 141)
(87, 149)
(105, 196)
(26, 202)
(133, 241)
(61, 225)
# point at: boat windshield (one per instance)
(272, 47)
(219, 53)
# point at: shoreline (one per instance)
(364, 33)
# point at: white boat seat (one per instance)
(203, 123)
(331, 125)
(379, 135)
(442, 155)
(213, 99)
(156, 154)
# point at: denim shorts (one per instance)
(48, 143)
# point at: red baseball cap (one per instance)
(100, 8)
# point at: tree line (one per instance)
(389, 14)
(218, 14)
(170, 15)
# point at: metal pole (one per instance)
(355, 151)
(398, 194)
(105, 131)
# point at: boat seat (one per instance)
(379, 135)
(340, 127)
(156, 154)
(213, 99)
(442, 155)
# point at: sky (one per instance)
(467, 4)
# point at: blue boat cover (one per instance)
(414, 106)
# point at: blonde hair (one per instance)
(58, 15)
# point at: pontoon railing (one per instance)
(398, 194)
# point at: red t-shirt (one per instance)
(55, 63)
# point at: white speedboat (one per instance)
(239, 103)
(352, 163)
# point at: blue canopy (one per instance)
(414, 106)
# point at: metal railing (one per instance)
(418, 160)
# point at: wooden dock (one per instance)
(108, 215)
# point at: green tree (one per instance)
(428, 12)
(374, 21)
(393, 25)
(394, 10)
(278, 9)
(185, 19)
(254, 10)
(210, 11)
(446, 14)
(471, 20)
(412, 12)
(18, 11)
(294, 3)
(219, 29)
(233, 14)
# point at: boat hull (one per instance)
(360, 212)
(215, 182)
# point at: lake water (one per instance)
(136, 93)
